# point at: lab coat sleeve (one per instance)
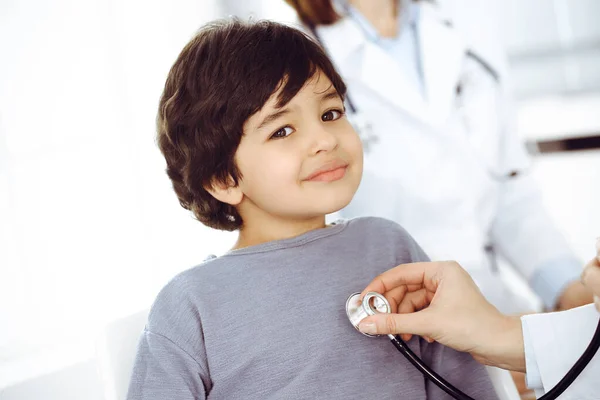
(533, 378)
(522, 230)
(553, 343)
(524, 233)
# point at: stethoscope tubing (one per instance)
(576, 369)
(426, 371)
(357, 309)
(556, 391)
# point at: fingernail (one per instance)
(368, 327)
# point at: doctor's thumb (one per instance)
(416, 323)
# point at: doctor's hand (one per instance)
(591, 276)
(576, 294)
(440, 301)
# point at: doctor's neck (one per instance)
(382, 14)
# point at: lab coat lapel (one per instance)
(442, 56)
(360, 60)
(381, 73)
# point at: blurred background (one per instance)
(90, 229)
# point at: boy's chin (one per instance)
(336, 204)
(320, 207)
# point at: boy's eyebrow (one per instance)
(272, 117)
(331, 94)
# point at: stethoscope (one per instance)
(375, 303)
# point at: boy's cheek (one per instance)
(350, 142)
(358, 151)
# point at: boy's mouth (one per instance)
(329, 172)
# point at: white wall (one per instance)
(75, 382)
(572, 195)
(87, 211)
(553, 45)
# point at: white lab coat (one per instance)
(440, 167)
(557, 340)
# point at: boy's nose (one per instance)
(323, 140)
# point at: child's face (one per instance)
(300, 161)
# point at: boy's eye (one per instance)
(332, 115)
(281, 133)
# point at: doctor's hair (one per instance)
(224, 75)
(316, 12)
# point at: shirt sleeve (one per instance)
(171, 361)
(163, 370)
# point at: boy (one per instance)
(252, 126)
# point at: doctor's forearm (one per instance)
(505, 347)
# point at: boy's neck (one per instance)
(264, 230)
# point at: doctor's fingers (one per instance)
(591, 276)
(395, 298)
(415, 301)
(419, 323)
(397, 294)
(426, 274)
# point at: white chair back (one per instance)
(116, 349)
(503, 384)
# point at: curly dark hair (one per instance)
(224, 75)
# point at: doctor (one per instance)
(453, 312)
(442, 157)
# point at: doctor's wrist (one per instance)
(505, 348)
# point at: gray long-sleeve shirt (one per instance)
(269, 322)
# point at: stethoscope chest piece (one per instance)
(373, 303)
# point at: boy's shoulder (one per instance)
(364, 229)
(378, 224)
(384, 235)
(188, 279)
(178, 300)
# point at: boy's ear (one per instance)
(228, 193)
